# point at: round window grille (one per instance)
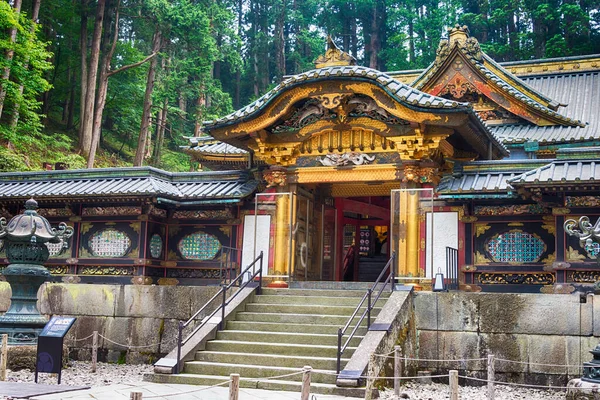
(156, 246)
(516, 246)
(199, 246)
(109, 243)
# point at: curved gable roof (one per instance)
(411, 97)
(494, 74)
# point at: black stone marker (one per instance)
(50, 346)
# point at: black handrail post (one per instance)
(339, 352)
(179, 340)
(369, 310)
(223, 304)
(259, 290)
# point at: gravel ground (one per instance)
(79, 374)
(437, 391)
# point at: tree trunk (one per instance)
(84, 77)
(144, 131)
(280, 42)
(161, 123)
(34, 16)
(9, 56)
(87, 119)
(98, 108)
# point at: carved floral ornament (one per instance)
(275, 178)
(458, 36)
(417, 174)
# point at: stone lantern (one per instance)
(25, 239)
(586, 387)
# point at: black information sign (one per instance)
(50, 346)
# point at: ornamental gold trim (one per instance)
(516, 278)
(480, 229)
(366, 173)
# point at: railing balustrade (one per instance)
(391, 279)
(225, 301)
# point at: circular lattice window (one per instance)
(109, 243)
(199, 246)
(156, 246)
(516, 246)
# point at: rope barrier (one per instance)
(257, 380)
(516, 384)
(430, 360)
(191, 391)
(131, 346)
(82, 339)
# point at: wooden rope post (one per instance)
(94, 351)
(453, 384)
(397, 371)
(4, 357)
(305, 391)
(234, 386)
(370, 378)
(491, 372)
(135, 396)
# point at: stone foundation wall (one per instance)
(131, 315)
(556, 329)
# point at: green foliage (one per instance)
(27, 68)
(217, 56)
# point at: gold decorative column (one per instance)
(412, 234)
(408, 235)
(282, 234)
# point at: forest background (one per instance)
(99, 83)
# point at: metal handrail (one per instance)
(224, 303)
(370, 305)
(224, 265)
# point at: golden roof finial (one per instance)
(334, 56)
(458, 34)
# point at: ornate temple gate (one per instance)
(325, 140)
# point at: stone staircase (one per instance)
(281, 331)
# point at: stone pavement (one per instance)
(158, 391)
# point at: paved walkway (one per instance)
(177, 392)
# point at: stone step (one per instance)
(317, 319)
(257, 371)
(316, 292)
(312, 300)
(281, 385)
(329, 363)
(300, 350)
(284, 337)
(255, 326)
(304, 309)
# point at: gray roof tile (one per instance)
(126, 182)
(561, 172)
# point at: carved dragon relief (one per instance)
(336, 108)
(351, 157)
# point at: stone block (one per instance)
(450, 346)
(452, 311)
(154, 301)
(116, 330)
(200, 295)
(77, 299)
(145, 332)
(553, 314)
(544, 349)
(507, 347)
(83, 328)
